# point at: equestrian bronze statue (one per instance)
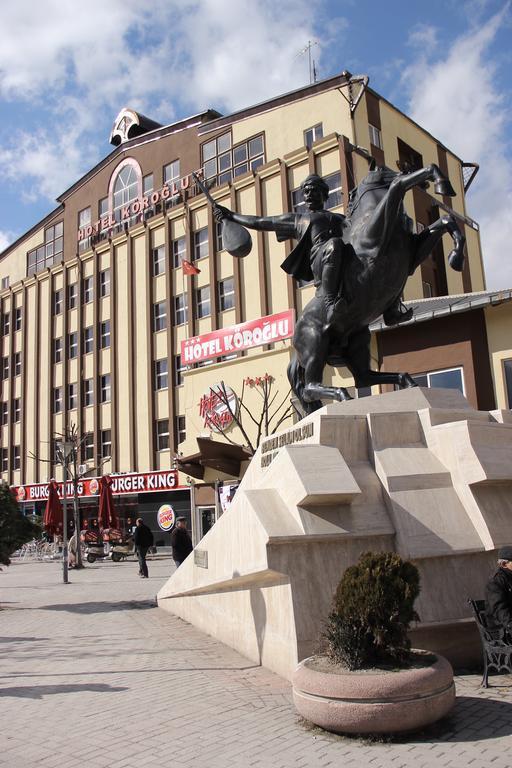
(359, 264)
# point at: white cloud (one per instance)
(6, 238)
(75, 64)
(456, 98)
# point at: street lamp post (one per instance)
(64, 449)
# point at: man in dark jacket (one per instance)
(143, 540)
(181, 542)
(498, 593)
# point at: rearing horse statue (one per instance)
(360, 264)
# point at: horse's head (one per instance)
(376, 181)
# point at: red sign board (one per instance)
(134, 482)
(226, 341)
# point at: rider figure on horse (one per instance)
(320, 250)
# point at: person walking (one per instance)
(181, 542)
(143, 540)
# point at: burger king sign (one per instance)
(166, 517)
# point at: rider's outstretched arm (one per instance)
(262, 223)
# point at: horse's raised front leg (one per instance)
(430, 236)
(382, 223)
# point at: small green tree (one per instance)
(15, 528)
(373, 608)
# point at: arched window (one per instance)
(126, 188)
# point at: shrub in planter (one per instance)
(369, 680)
(373, 609)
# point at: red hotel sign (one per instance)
(144, 482)
(225, 341)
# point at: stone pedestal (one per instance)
(417, 471)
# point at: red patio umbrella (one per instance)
(107, 517)
(52, 518)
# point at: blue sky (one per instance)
(66, 70)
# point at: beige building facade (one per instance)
(96, 299)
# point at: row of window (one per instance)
(16, 411)
(5, 321)
(4, 458)
(105, 393)
(162, 443)
(5, 367)
(87, 292)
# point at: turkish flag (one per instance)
(189, 268)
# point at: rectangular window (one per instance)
(84, 219)
(335, 198)
(162, 435)
(72, 295)
(6, 323)
(105, 334)
(5, 367)
(57, 399)
(221, 162)
(72, 345)
(180, 309)
(18, 317)
(17, 363)
(105, 389)
(172, 172)
(17, 457)
(227, 294)
(178, 371)
(218, 237)
(103, 207)
(450, 378)
(88, 392)
(178, 251)
(313, 134)
(106, 443)
(88, 290)
(57, 301)
(375, 136)
(181, 433)
(507, 369)
(88, 447)
(159, 315)
(57, 350)
(201, 244)
(203, 306)
(5, 459)
(105, 282)
(50, 252)
(5, 283)
(147, 184)
(72, 396)
(16, 409)
(88, 340)
(161, 374)
(4, 414)
(158, 260)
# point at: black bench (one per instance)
(497, 650)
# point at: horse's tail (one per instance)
(296, 378)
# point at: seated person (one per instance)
(498, 594)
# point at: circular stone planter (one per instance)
(375, 700)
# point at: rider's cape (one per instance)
(297, 226)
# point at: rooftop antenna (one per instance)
(312, 65)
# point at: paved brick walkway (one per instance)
(93, 674)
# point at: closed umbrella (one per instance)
(52, 518)
(107, 517)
